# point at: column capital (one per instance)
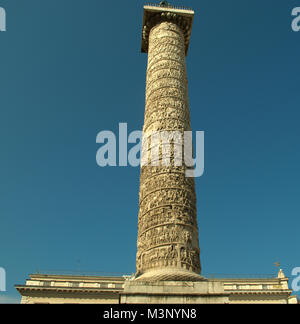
(154, 14)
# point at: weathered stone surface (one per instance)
(168, 246)
(174, 292)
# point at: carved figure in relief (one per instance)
(167, 216)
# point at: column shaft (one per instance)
(168, 247)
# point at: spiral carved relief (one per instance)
(167, 221)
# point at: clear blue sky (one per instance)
(70, 68)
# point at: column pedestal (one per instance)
(173, 292)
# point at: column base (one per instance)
(170, 274)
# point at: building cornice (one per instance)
(22, 288)
(260, 292)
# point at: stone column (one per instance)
(168, 247)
